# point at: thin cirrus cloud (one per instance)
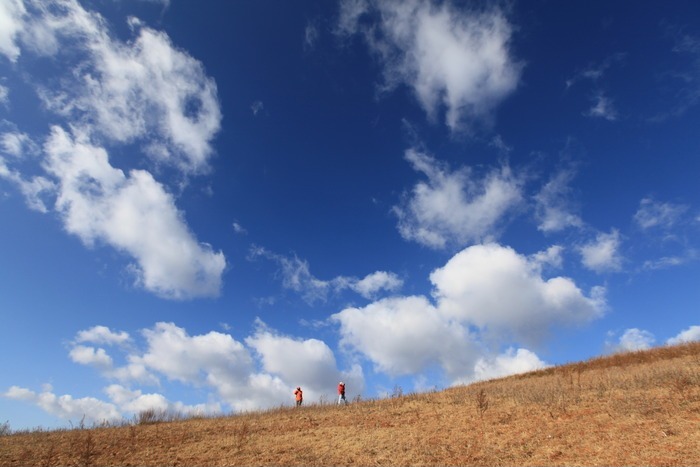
(455, 207)
(553, 206)
(296, 275)
(110, 93)
(450, 59)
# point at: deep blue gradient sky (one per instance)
(207, 204)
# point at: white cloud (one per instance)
(455, 207)
(656, 214)
(375, 282)
(311, 34)
(11, 24)
(602, 254)
(602, 108)
(309, 362)
(102, 335)
(485, 293)
(87, 355)
(552, 204)
(66, 407)
(449, 58)
(405, 335)
(257, 107)
(691, 334)
(4, 95)
(134, 214)
(634, 339)
(20, 148)
(510, 362)
(296, 275)
(145, 90)
(499, 291)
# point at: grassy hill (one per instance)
(639, 408)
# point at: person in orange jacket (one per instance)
(299, 395)
(341, 393)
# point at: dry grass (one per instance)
(640, 408)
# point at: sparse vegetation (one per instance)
(639, 408)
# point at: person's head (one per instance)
(341, 383)
(298, 388)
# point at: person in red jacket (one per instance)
(299, 395)
(341, 393)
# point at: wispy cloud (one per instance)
(296, 275)
(655, 214)
(553, 203)
(106, 93)
(602, 108)
(451, 59)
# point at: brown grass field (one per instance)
(639, 408)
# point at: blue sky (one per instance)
(207, 204)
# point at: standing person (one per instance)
(299, 395)
(341, 393)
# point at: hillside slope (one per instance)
(640, 408)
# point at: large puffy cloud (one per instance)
(498, 290)
(258, 373)
(309, 362)
(132, 213)
(484, 294)
(455, 207)
(450, 58)
(405, 335)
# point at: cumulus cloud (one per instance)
(66, 407)
(691, 334)
(134, 214)
(496, 289)
(87, 355)
(258, 373)
(309, 362)
(655, 214)
(450, 58)
(602, 254)
(455, 207)
(102, 335)
(634, 339)
(510, 362)
(296, 275)
(484, 293)
(405, 335)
